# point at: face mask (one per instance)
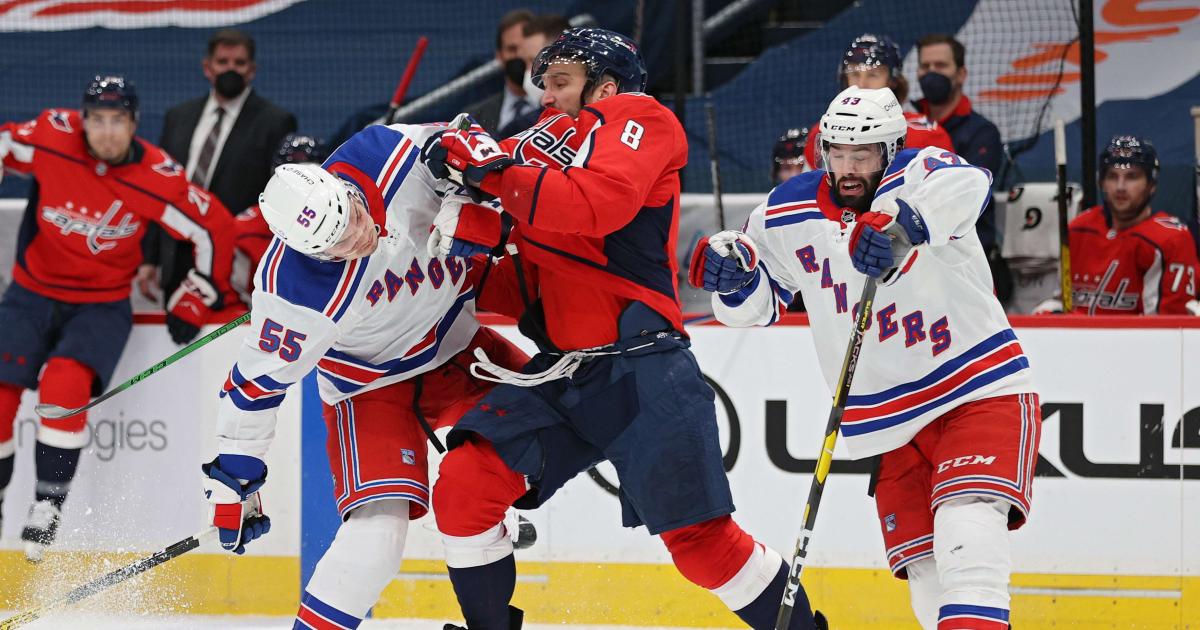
(533, 93)
(229, 83)
(514, 70)
(936, 87)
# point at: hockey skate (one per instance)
(40, 529)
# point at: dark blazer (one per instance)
(487, 112)
(240, 174)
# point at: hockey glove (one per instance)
(466, 156)
(462, 228)
(1051, 305)
(231, 484)
(190, 305)
(883, 238)
(724, 262)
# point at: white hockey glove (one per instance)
(465, 228)
(1052, 305)
(1193, 307)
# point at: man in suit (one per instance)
(497, 110)
(225, 139)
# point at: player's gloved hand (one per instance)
(724, 262)
(883, 239)
(1052, 305)
(464, 228)
(466, 156)
(231, 484)
(190, 306)
(1193, 307)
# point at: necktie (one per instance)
(204, 162)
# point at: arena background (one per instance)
(1112, 542)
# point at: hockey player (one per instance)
(942, 392)
(97, 188)
(252, 235)
(388, 328)
(872, 62)
(1127, 259)
(596, 241)
(787, 157)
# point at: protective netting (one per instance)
(1019, 55)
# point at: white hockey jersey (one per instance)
(362, 324)
(938, 336)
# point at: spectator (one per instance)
(539, 33)
(872, 62)
(1126, 258)
(788, 156)
(497, 110)
(225, 139)
(252, 235)
(942, 72)
(66, 316)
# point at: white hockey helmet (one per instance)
(307, 207)
(859, 116)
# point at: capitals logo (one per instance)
(69, 15)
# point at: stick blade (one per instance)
(54, 412)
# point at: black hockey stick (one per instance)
(110, 579)
(1064, 243)
(55, 412)
(825, 460)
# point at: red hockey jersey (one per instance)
(1146, 269)
(601, 231)
(80, 240)
(922, 132)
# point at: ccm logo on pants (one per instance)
(965, 460)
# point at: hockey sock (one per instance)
(762, 612)
(55, 470)
(484, 592)
(971, 546)
(10, 399)
(363, 558)
(315, 614)
(924, 591)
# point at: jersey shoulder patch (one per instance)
(325, 287)
(795, 200)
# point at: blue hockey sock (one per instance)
(484, 592)
(761, 613)
(55, 470)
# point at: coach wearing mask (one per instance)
(225, 140)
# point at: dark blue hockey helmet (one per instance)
(869, 51)
(789, 149)
(1126, 151)
(603, 52)
(111, 91)
(297, 148)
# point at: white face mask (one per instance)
(533, 93)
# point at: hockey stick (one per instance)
(54, 412)
(409, 71)
(111, 579)
(710, 116)
(1064, 243)
(865, 304)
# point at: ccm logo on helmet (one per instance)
(842, 128)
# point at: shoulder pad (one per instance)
(325, 287)
(802, 187)
(901, 161)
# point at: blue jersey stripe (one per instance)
(984, 347)
(413, 153)
(790, 219)
(982, 380)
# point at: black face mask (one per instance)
(230, 83)
(514, 71)
(936, 87)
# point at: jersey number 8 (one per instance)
(633, 134)
(305, 215)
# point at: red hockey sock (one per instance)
(66, 383)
